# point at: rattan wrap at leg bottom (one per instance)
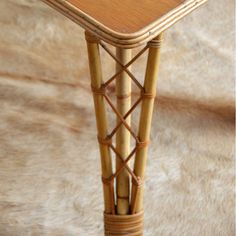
(123, 225)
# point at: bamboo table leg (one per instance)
(96, 83)
(123, 92)
(123, 213)
(146, 117)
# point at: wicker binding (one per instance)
(120, 225)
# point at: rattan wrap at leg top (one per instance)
(120, 225)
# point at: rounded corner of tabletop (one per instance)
(127, 23)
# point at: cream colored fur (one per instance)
(49, 161)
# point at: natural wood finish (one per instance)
(129, 16)
(145, 119)
(127, 23)
(123, 92)
(96, 82)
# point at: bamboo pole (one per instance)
(123, 92)
(145, 119)
(100, 111)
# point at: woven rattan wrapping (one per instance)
(120, 225)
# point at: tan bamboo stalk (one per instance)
(145, 119)
(101, 120)
(123, 92)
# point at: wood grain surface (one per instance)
(125, 24)
(127, 16)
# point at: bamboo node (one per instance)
(91, 38)
(105, 141)
(142, 144)
(124, 96)
(99, 91)
(123, 197)
(107, 181)
(145, 95)
(156, 43)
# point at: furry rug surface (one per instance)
(49, 160)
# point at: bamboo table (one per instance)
(125, 24)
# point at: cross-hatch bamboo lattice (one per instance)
(102, 91)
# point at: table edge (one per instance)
(124, 40)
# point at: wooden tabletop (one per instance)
(125, 23)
